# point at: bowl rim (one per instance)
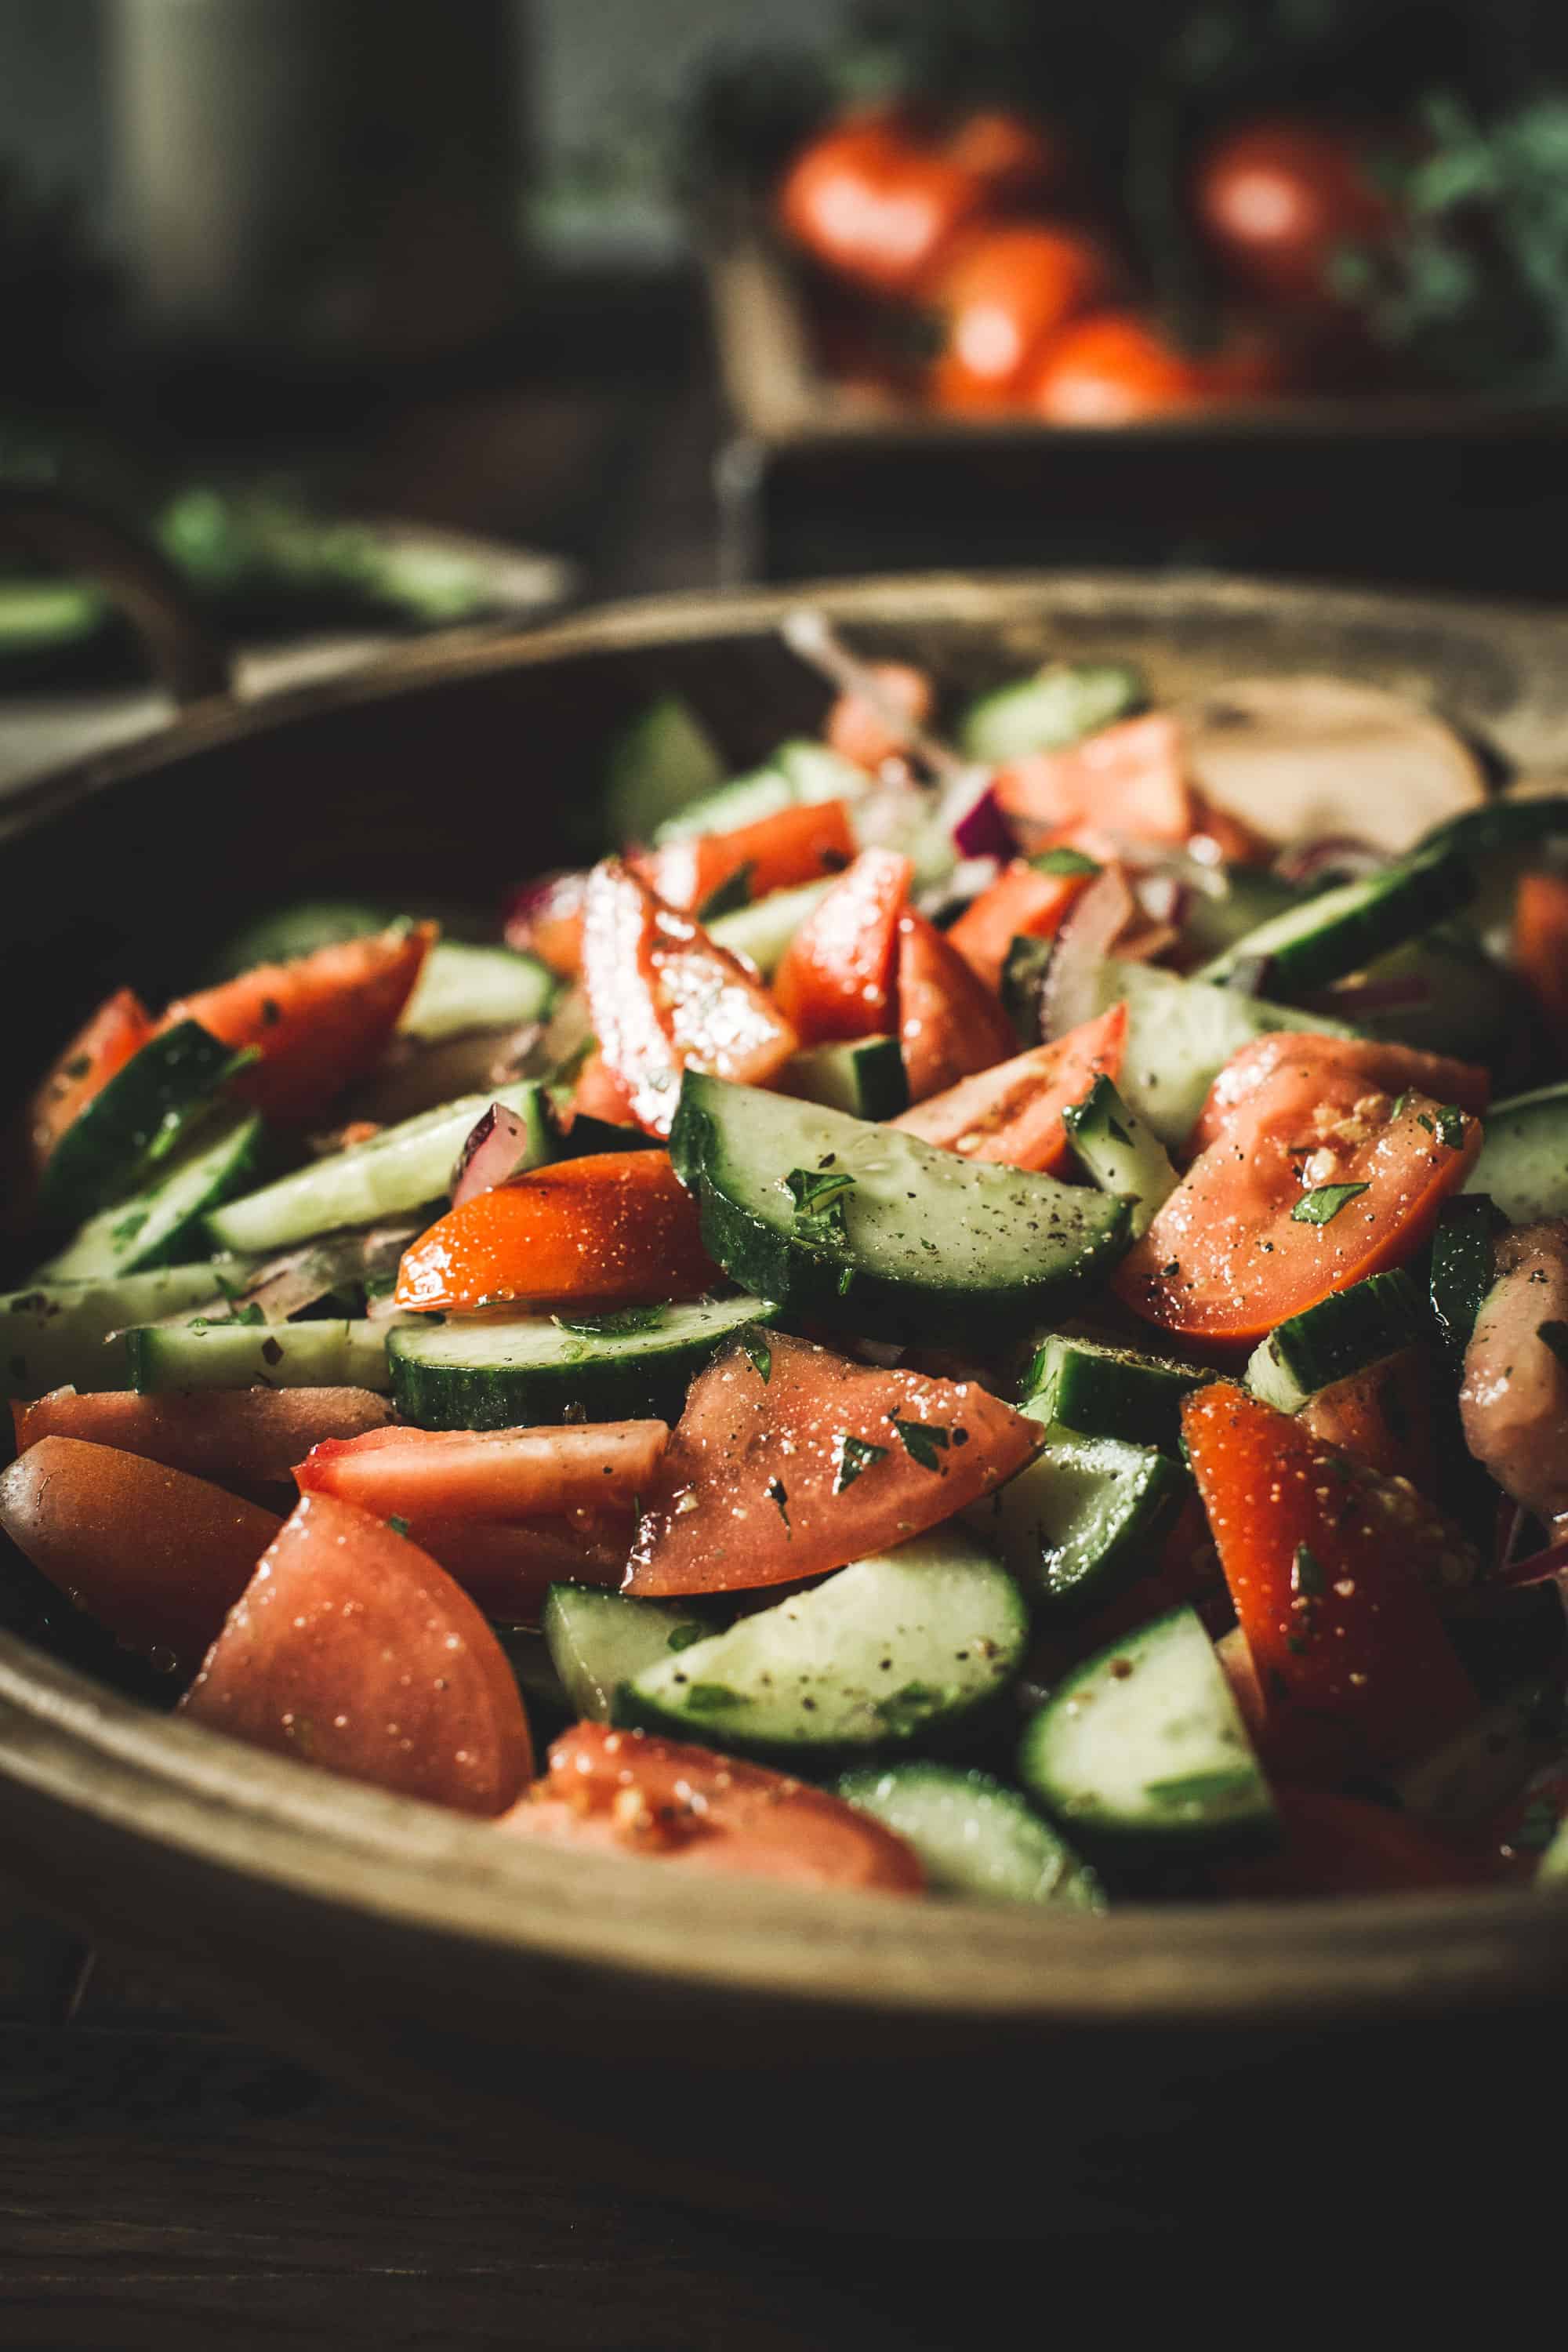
(162, 1785)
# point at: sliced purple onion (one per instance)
(498, 1147)
(1070, 993)
(1335, 853)
(979, 828)
(1540, 1567)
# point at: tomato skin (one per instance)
(663, 998)
(1114, 367)
(1013, 1112)
(871, 201)
(1225, 1260)
(507, 1566)
(255, 1435)
(627, 1792)
(1008, 290)
(1022, 903)
(836, 976)
(545, 919)
(317, 1023)
(120, 1028)
(950, 1023)
(1276, 199)
(858, 732)
(155, 1555)
(1127, 779)
(599, 1093)
(1348, 1845)
(1540, 944)
(764, 1457)
(793, 845)
(1320, 1565)
(619, 1227)
(500, 1474)
(1382, 1416)
(1011, 156)
(350, 1649)
(1289, 1074)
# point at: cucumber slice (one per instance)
(1082, 1521)
(1553, 1868)
(1057, 707)
(1339, 931)
(638, 1363)
(1519, 821)
(659, 761)
(1180, 1036)
(899, 1647)
(1524, 1162)
(974, 1835)
(54, 1335)
(135, 1121)
(462, 988)
(762, 931)
(1106, 1392)
(218, 1355)
(1119, 1152)
(167, 1221)
(402, 1168)
(1463, 1254)
(1468, 1778)
(866, 1078)
(918, 1242)
(1469, 1003)
(1144, 1746)
(1343, 1334)
(600, 1640)
(796, 771)
(1216, 919)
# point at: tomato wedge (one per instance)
(488, 1474)
(1022, 903)
(663, 998)
(1382, 1416)
(256, 1435)
(155, 1555)
(1128, 779)
(316, 1023)
(350, 1648)
(1280, 1211)
(120, 1028)
(789, 1461)
(1347, 1845)
(619, 1227)
(1013, 1112)
(1540, 943)
(626, 1792)
(507, 1566)
(793, 845)
(950, 1023)
(856, 728)
(836, 978)
(599, 1093)
(1297, 1079)
(1321, 1559)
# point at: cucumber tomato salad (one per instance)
(955, 1316)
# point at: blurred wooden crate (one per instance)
(1441, 490)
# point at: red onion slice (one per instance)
(1165, 898)
(499, 1146)
(1070, 993)
(978, 826)
(1540, 1567)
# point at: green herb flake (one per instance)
(711, 1698)
(818, 1195)
(399, 1527)
(620, 1323)
(1063, 860)
(1200, 1787)
(1400, 1104)
(129, 1227)
(759, 1355)
(1451, 1126)
(683, 1637)
(907, 1706)
(855, 1454)
(925, 1441)
(1322, 1205)
(1306, 1573)
(254, 1313)
(727, 898)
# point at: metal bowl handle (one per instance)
(189, 655)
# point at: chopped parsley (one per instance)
(399, 1527)
(683, 1637)
(855, 1454)
(818, 1196)
(925, 1441)
(1306, 1574)
(1451, 1126)
(129, 1227)
(1323, 1203)
(759, 1355)
(620, 1323)
(1064, 860)
(711, 1698)
(906, 1708)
